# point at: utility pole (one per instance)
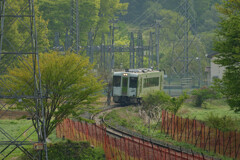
(112, 50)
(109, 51)
(140, 50)
(112, 31)
(132, 51)
(186, 35)
(89, 46)
(151, 56)
(74, 29)
(103, 56)
(157, 42)
(77, 27)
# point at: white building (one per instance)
(216, 70)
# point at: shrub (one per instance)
(72, 151)
(162, 100)
(177, 102)
(225, 123)
(155, 99)
(202, 94)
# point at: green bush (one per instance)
(164, 101)
(225, 123)
(72, 151)
(177, 102)
(202, 94)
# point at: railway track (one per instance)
(116, 132)
(99, 119)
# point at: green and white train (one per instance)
(130, 86)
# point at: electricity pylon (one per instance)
(19, 17)
(185, 54)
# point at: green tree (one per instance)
(17, 30)
(203, 94)
(177, 102)
(200, 8)
(154, 103)
(94, 16)
(227, 44)
(159, 100)
(68, 84)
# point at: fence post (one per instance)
(139, 150)
(215, 147)
(177, 127)
(223, 144)
(193, 127)
(201, 138)
(235, 142)
(195, 130)
(172, 125)
(167, 123)
(133, 147)
(185, 130)
(209, 141)
(163, 121)
(181, 129)
(219, 145)
(205, 136)
(143, 149)
(230, 144)
(96, 137)
(153, 151)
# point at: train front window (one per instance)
(133, 82)
(116, 81)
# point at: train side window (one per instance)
(151, 82)
(116, 81)
(133, 82)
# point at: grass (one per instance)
(15, 125)
(15, 128)
(128, 117)
(69, 150)
(216, 107)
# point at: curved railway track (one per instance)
(116, 132)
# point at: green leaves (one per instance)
(67, 81)
(94, 16)
(228, 47)
(160, 100)
(202, 94)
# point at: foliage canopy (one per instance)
(202, 94)
(67, 83)
(228, 47)
(159, 100)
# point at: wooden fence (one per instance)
(200, 135)
(119, 148)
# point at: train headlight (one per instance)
(125, 74)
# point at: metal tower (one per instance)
(74, 28)
(185, 56)
(140, 52)
(18, 20)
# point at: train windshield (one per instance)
(116, 81)
(133, 82)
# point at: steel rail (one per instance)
(114, 131)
